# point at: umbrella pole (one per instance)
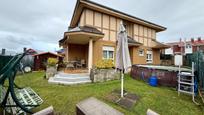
(122, 79)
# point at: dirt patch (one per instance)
(128, 101)
(132, 96)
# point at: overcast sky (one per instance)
(40, 24)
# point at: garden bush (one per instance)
(105, 64)
(52, 62)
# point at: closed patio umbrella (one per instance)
(122, 54)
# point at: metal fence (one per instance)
(4, 60)
(27, 61)
(198, 59)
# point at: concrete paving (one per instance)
(70, 79)
(93, 106)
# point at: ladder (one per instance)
(186, 83)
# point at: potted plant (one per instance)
(104, 71)
(51, 68)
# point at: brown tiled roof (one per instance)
(62, 40)
(160, 45)
(132, 41)
(85, 29)
(182, 43)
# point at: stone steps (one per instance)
(70, 79)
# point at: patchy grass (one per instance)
(64, 98)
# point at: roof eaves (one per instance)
(89, 1)
(75, 9)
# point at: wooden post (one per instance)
(67, 52)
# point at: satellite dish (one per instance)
(27, 69)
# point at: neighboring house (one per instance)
(40, 60)
(31, 51)
(179, 50)
(13, 52)
(92, 35)
(185, 47)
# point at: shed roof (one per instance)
(44, 53)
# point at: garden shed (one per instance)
(41, 59)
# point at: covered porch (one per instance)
(78, 44)
(157, 48)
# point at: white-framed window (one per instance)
(188, 46)
(108, 52)
(149, 56)
(141, 52)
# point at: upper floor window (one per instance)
(141, 52)
(188, 46)
(108, 52)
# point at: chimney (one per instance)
(3, 51)
(192, 40)
(199, 39)
(180, 40)
(24, 50)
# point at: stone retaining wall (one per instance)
(50, 72)
(102, 75)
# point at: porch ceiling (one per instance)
(81, 37)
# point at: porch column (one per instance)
(90, 56)
(67, 53)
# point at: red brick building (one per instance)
(185, 47)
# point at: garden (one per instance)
(163, 100)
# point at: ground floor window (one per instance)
(108, 52)
(149, 56)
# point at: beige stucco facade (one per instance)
(108, 24)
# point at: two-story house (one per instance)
(92, 35)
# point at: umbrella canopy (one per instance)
(122, 53)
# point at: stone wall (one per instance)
(50, 72)
(102, 75)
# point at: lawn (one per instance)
(163, 100)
